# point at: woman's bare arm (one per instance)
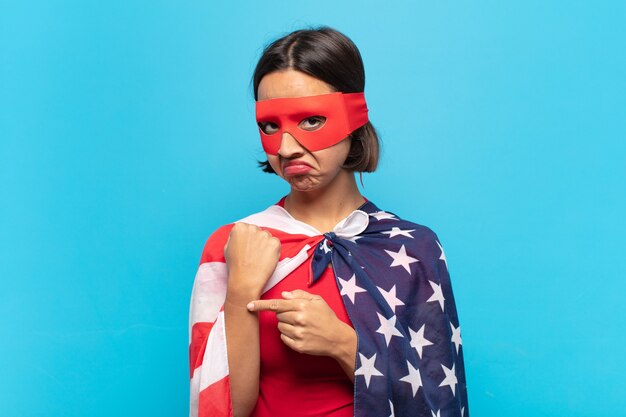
(242, 336)
(251, 256)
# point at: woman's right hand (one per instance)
(251, 256)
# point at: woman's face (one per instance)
(302, 169)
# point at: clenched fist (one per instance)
(251, 256)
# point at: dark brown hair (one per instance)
(330, 56)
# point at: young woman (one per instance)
(323, 304)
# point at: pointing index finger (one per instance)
(277, 306)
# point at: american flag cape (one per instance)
(393, 278)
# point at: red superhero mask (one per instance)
(344, 113)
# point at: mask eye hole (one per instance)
(312, 123)
(268, 128)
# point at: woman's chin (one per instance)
(303, 183)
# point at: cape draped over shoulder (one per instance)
(393, 278)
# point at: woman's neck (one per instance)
(324, 208)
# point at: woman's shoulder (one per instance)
(214, 246)
(417, 237)
(213, 250)
(424, 238)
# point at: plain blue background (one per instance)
(127, 136)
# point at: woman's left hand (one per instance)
(308, 325)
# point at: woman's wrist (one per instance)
(241, 298)
(242, 289)
(345, 349)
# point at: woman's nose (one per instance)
(289, 146)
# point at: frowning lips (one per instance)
(296, 167)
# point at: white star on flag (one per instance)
(391, 408)
(418, 341)
(388, 327)
(325, 246)
(367, 368)
(349, 287)
(414, 378)
(390, 297)
(450, 379)
(437, 294)
(396, 231)
(456, 337)
(438, 414)
(462, 411)
(400, 258)
(382, 215)
(443, 255)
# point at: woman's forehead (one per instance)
(291, 83)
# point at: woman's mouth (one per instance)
(296, 168)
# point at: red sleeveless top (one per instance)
(294, 384)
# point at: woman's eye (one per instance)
(268, 127)
(312, 123)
